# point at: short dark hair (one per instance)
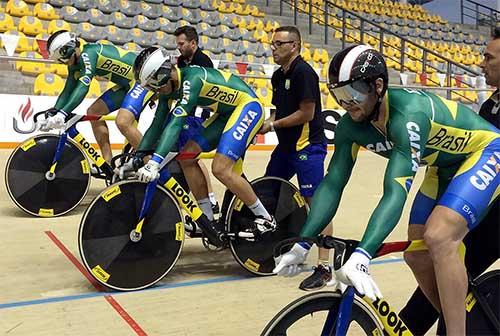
(189, 31)
(290, 29)
(495, 32)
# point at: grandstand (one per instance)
(421, 45)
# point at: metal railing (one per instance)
(480, 14)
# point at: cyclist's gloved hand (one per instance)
(56, 121)
(151, 171)
(355, 272)
(289, 263)
(126, 170)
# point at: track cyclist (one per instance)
(85, 63)
(410, 128)
(237, 116)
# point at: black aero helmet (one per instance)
(153, 67)
(357, 63)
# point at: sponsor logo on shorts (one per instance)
(306, 186)
(414, 136)
(487, 173)
(137, 91)
(244, 124)
(469, 213)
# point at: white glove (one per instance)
(288, 264)
(355, 272)
(126, 170)
(150, 172)
(57, 121)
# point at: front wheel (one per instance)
(113, 254)
(283, 200)
(33, 190)
(308, 315)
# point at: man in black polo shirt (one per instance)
(299, 126)
(482, 243)
(187, 43)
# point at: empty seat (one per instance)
(208, 5)
(265, 96)
(166, 40)
(32, 68)
(146, 24)
(45, 11)
(30, 25)
(116, 35)
(129, 8)
(89, 32)
(6, 22)
(47, 84)
(140, 37)
(108, 6)
(213, 19)
(167, 26)
(131, 46)
(192, 16)
(217, 32)
(84, 5)
(98, 18)
(122, 21)
(56, 25)
(60, 3)
(73, 15)
(170, 14)
(18, 8)
(202, 27)
(191, 4)
(150, 11)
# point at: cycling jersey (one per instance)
(422, 128)
(105, 61)
(238, 114)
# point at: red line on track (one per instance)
(116, 306)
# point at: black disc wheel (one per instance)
(315, 314)
(32, 190)
(282, 200)
(478, 322)
(109, 250)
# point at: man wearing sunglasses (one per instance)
(237, 116)
(462, 154)
(298, 125)
(98, 60)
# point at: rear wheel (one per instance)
(110, 252)
(478, 323)
(309, 314)
(31, 189)
(283, 200)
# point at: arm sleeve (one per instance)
(327, 197)
(82, 85)
(409, 136)
(154, 131)
(69, 87)
(189, 98)
(170, 135)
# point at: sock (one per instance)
(324, 263)
(258, 209)
(206, 207)
(213, 200)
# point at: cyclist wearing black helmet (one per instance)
(462, 154)
(238, 115)
(98, 60)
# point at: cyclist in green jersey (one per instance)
(238, 115)
(105, 61)
(410, 128)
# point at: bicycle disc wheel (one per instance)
(105, 243)
(478, 323)
(28, 186)
(308, 314)
(283, 201)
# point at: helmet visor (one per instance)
(159, 78)
(353, 93)
(64, 53)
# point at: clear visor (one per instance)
(350, 94)
(159, 78)
(63, 54)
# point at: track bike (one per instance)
(349, 313)
(48, 175)
(132, 234)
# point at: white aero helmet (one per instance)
(62, 45)
(152, 67)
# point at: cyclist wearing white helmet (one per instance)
(97, 60)
(238, 115)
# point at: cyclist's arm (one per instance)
(170, 135)
(82, 85)
(69, 86)
(409, 137)
(157, 125)
(326, 198)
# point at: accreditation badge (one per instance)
(287, 84)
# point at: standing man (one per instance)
(187, 43)
(482, 244)
(298, 124)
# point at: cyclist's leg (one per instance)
(238, 133)
(134, 102)
(108, 102)
(472, 190)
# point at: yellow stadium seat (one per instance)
(35, 1)
(260, 82)
(306, 54)
(226, 7)
(31, 25)
(94, 90)
(265, 96)
(254, 11)
(23, 44)
(45, 11)
(32, 68)
(261, 36)
(18, 8)
(254, 23)
(131, 46)
(320, 55)
(6, 22)
(239, 21)
(271, 25)
(57, 25)
(48, 84)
